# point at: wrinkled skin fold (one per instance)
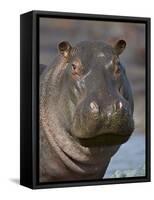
(86, 111)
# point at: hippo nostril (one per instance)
(94, 107)
(118, 105)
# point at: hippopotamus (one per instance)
(86, 111)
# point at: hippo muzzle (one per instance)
(110, 125)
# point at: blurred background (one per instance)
(130, 159)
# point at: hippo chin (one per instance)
(86, 111)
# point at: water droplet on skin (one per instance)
(94, 107)
(120, 105)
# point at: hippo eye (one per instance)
(74, 66)
(76, 71)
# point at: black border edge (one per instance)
(26, 100)
(92, 182)
(35, 98)
(148, 99)
(69, 15)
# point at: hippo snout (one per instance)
(119, 106)
(95, 119)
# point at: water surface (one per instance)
(130, 159)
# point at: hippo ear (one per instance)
(64, 48)
(120, 46)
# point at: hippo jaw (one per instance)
(109, 139)
(95, 128)
(103, 135)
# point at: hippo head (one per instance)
(97, 98)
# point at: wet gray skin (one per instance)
(86, 111)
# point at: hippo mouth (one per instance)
(109, 139)
(115, 131)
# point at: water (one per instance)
(130, 159)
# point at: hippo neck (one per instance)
(85, 161)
